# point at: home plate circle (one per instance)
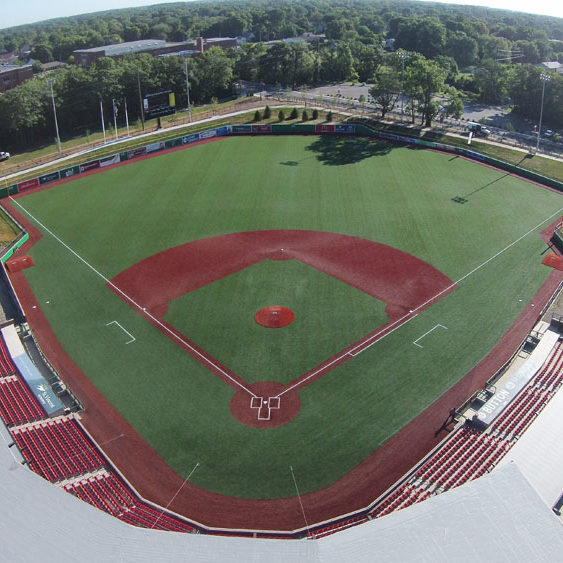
(274, 316)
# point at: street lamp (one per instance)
(402, 55)
(55, 114)
(544, 78)
(188, 89)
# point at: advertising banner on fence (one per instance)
(344, 128)
(28, 185)
(48, 178)
(225, 130)
(135, 153)
(109, 161)
(261, 128)
(89, 166)
(35, 381)
(154, 147)
(324, 128)
(172, 143)
(241, 128)
(475, 155)
(208, 134)
(190, 138)
(68, 172)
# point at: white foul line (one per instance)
(452, 285)
(125, 331)
(143, 311)
(427, 333)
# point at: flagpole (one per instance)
(103, 125)
(114, 117)
(126, 117)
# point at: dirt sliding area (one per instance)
(404, 283)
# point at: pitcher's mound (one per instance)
(274, 316)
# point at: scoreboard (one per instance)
(159, 104)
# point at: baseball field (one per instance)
(403, 268)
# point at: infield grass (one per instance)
(389, 194)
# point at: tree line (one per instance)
(437, 51)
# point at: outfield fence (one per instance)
(347, 128)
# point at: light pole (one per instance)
(55, 114)
(188, 90)
(544, 78)
(402, 55)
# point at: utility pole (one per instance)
(544, 78)
(141, 100)
(402, 55)
(188, 90)
(55, 114)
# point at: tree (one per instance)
(422, 34)
(293, 114)
(385, 90)
(329, 116)
(425, 79)
(267, 112)
(305, 115)
(367, 59)
(491, 81)
(215, 73)
(257, 116)
(281, 115)
(42, 53)
(454, 106)
(315, 114)
(462, 48)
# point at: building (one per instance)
(14, 75)
(156, 47)
(553, 66)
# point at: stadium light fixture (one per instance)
(544, 78)
(55, 114)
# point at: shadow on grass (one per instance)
(340, 150)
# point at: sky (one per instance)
(17, 13)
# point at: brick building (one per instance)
(14, 75)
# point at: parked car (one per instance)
(549, 133)
(4, 155)
(478, 129)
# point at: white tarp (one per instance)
(539, 452)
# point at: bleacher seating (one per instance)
(57, 449)
(6, 364)
(17, 403)
(108, 493)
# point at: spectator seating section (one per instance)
(17, 403)
(57, 449)
(107, 492)
(6, 364)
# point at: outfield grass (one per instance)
(389, 194)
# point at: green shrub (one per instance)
(304, 116)
(315, 114)
(257, 116)
(281, 115)
(267, 112)
(293, 114)
(329, 116)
